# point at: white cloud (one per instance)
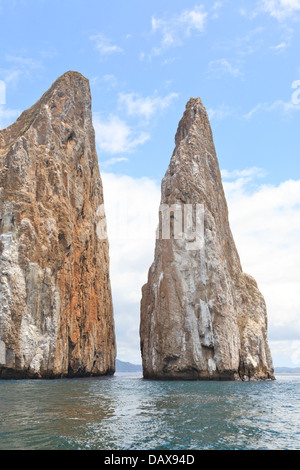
(265, 221)
(8, 116)
(20, 68)
(193, 19)
(26, 62)
(286, 353)
(222, 66)
(174, 28)
(279, 47)
(131, 206)
(12, 76)
(114, 136)
(49, 52)
(280, 9)
(110, 80)
(244, 45)
(147, 106)
(113, 161)
(220, 113)
(216, 6)
(245, 173)
(104, 45)
(285, 107)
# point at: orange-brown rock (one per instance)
(202, 317)
(56, 315)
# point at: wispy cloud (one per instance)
(215, 9)
(223, 66)
(26, 62)
(286, 107)
(110, 80)
(286, 352)
(173, 29)
(113, 161)
(220, 113)
(245, 173)
(147, 106)
(8, 116)
(279, 47)
(280, 9)
(49, 52)
(19, 67)
(104, 45)
(115, 136)
(244, 45)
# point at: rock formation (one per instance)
(201, 316)
(56, 316)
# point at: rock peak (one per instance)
(194, 102)
(69, 80)
(194, 118)
(202, 317)
(56, 315)
(69, 94)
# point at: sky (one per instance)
(144, 61)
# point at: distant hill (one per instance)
(287, 370)
(127, 366)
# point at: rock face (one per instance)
(56, 316)
(201, 316)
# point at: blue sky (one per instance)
(144, 61)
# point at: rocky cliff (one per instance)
(56, 316)
(202, 317)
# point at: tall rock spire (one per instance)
(56, 316)
(201, 316)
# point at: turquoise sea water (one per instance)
(127, 412)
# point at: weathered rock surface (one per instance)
(56, 316)
(201, 316)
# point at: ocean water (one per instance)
(127, 412)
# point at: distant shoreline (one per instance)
(122, 366)
(287, 370)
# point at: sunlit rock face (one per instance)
(56, 315)
(202, 317)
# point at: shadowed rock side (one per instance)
(201, 316)
(56, 316)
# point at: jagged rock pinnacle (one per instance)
(56, 316)
(202, 317)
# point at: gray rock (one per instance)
(201, 316)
